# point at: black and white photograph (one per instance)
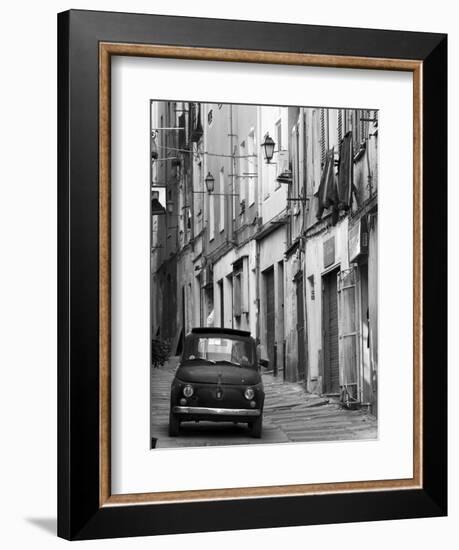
(229, 249)
(264, 274)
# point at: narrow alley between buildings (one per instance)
(290, 415)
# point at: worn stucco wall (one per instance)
(314, 270)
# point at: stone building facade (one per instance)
(285, 249)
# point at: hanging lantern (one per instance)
(154, 148)
(268, 148)
(210, 183)
(156, 207)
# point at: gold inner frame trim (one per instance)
(106, 51)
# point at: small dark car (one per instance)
(218, 379)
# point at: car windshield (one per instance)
(218, 350)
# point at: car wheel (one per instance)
(174, 425)
(256, 427)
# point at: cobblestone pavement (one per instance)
(290, 414)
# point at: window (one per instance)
(234, 184)
(237, 294)
(375, 118)
(312, 289)
(215, 349)
(229, 294)
(242, 174)
(340, 125)
(252, 166)
(198, 199)
(333, 129)
(315, 164)
(356, 129)
(365, 124)
(222, 302)
(222, 201)
(278, 137)
(306, 155)
(323, 135)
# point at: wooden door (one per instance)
(300, 328)
(222, 303)
(330, 333)
(270, 314)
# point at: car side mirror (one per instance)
(259, 365)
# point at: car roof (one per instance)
(220, 330)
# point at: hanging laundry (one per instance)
(327, 193)
(345, 172)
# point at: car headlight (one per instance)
(188, 391)
(249, 393)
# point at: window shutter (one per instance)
(340, 126)
(295, 167)
(237, 297)
(349, 335)
(322, 136)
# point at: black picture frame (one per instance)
(80, 515)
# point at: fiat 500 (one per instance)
(218, 379)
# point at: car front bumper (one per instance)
(215, 413)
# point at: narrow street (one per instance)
(290, 414)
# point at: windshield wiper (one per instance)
(226, 361)
(202, 359)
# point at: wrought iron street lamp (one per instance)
(210, 183)
(268, 147)
(156, 207)
(210, 186)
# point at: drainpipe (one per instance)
(233, 172)
(259, 216)
(257, 287)
(231, 208)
